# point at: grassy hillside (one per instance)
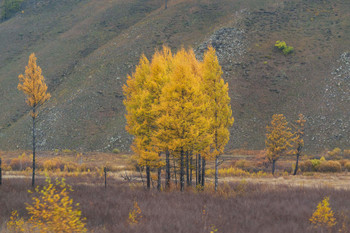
(86, 48)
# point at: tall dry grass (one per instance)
(237, 208)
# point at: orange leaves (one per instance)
(32, 83)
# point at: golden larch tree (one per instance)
(323, 216)
(219, 108)
(142, 96)
(32, 83)
(52, 210)
(182, 108)
(278, 139)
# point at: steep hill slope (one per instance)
(86, 48)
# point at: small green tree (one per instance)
(10, 7)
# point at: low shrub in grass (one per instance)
(281, 45)
(21, 163)
(347, 166)
(330, 166)
(53, 164)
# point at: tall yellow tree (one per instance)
(182, 108)
(298, 141)
(32, 83)
(219, 109)
(278, 139)
(142, 95)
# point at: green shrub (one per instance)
(330, 166)
(281, 45)
(315, 164)
(116, 151)
(10, 7)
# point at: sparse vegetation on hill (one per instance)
(88, 47)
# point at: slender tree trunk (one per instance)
(167, 160)
(105, 171)
(33, 177)
(191, 169)
(166, 4)
(203, 171)
(216, 173)
(296, 164)
(187, 169)
(199, 169)
(273, 166)
(196, 169)
(175, 170)
(159, 184)
(182, 171)
(148, 174)
(0, 173)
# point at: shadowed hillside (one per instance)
(86, 48)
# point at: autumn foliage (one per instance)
(177, 105)
(323, 215)
(53, 210)
(278, 139)
(32, 83)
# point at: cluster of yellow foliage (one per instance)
(179, 105)
(16, 224)
(233, 171)
(323, 215)
(32, 83)
(135, 214)
(53, 210)
(278, 138)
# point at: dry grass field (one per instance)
(247, 202)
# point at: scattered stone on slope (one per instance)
(228, 43)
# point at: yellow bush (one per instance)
(335, 152)
(323, 215)
(135, 214)
(53, 164)
(15, 224)
(53, 209)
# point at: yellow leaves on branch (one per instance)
(15, 224)
(135, 214)
(53, 210)
(323, 215)
(32, 83)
